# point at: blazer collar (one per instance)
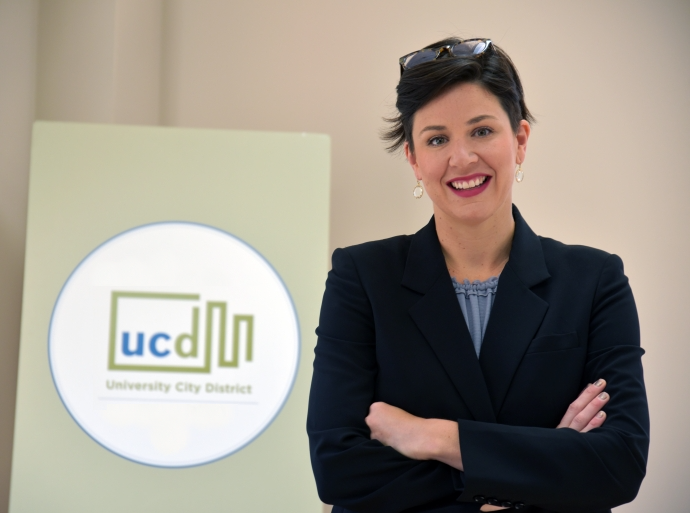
(425, 261)
(526, 256)
(515, 317)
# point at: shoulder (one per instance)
(583, 261)
(574, 254)
(361, 276)
(376, 256)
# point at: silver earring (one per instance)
(418, 190)
(519, 174)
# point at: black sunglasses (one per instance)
(466, 48)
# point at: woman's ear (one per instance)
(522, 136)
(410, 156)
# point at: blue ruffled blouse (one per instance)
(476, 300)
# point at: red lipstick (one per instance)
(472, 191)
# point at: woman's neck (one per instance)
(476, 251)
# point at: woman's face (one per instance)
(465, 153)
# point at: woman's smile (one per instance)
(468, 186)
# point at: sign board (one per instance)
(173, 282)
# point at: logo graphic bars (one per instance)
(131, 350)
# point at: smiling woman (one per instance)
(449, 361)
(466, 148)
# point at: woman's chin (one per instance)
(473, 214)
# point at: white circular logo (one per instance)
(174, 344)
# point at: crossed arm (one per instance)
(437, 439)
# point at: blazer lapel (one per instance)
(438, 316)
(516, 314)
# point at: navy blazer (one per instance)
(391, 330)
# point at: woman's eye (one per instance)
(436, 141)
(482, 132)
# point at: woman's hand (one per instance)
(415, 437)
(396, 428)
(585, 412)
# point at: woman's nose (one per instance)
(462, 155)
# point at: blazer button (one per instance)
(480, 499)
(506, 504)
(493, 501)
(519, 505)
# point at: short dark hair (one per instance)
(493, 70)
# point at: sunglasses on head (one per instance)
(466, 48)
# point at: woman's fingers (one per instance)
(596, 422)
(583, 419)
(586, 402)
(487, 507)
(381, 418)
(394, 427)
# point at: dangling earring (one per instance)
(519, 174)
(418, 191)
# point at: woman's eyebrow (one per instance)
(431, 128)
(477, 119)
(472, 121)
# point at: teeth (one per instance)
(469, 185)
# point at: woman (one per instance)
(447, 360)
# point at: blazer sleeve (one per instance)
(561, 469)
(351, 470)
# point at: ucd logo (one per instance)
(174, 344)
(135, 349)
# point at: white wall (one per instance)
(608, 82)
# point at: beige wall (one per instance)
(606, 166)
(18, 42)
(99, 61)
